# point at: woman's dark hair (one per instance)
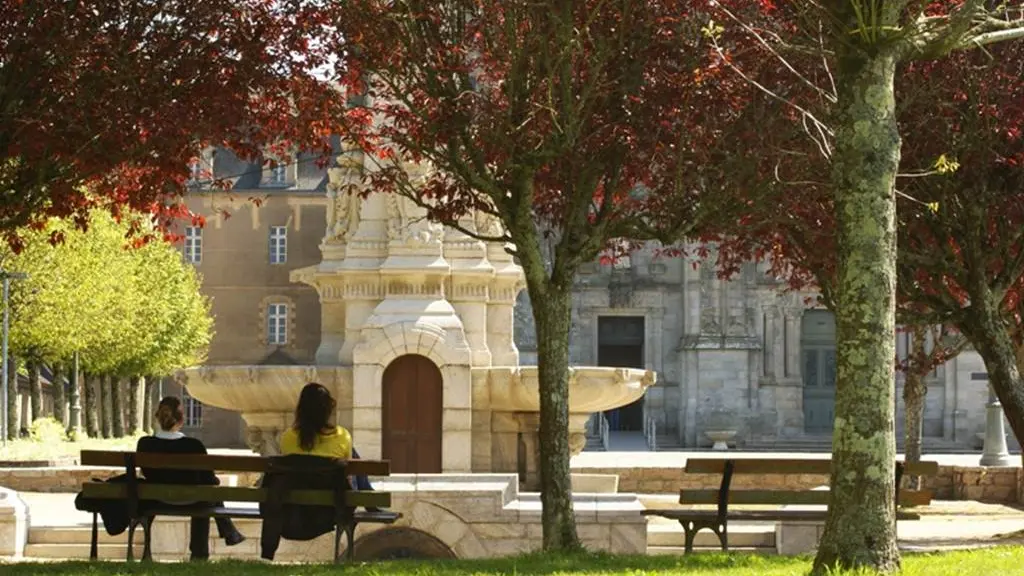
(169, 413)
(313, 413)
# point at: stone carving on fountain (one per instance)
(392, 283)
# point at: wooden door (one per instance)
(818, 343)
(412, 415)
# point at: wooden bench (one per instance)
(144, 499)
(693, 521)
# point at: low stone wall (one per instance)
(992, 485)
(995, 485)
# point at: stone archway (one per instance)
(400, 542)
(412, 414)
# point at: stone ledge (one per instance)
(14, 520)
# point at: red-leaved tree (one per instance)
(107, 102)
(569, 125)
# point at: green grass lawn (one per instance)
(24, 449)
(1005, 561)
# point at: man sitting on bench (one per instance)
(169, 440)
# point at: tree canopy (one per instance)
(107, 103)
(126, 309)
(566, 128)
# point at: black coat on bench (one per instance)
(295, 521)
(113, 512)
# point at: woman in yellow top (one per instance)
(314, 435)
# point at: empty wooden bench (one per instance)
(145, 501)
(693, 521)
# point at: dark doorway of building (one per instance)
(411, 419)
(818, 343)
(620, 344)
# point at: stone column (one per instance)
(332, 332)
(470, 303)
(793, 369)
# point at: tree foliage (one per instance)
(566, 127)
(128, 310)
(110, 100)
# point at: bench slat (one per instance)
(792, 497)
(217, 462)
(757, 515)
(789, 466)
(184, 493)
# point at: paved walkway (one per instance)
(944, 525)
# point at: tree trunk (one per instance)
(117, 407)
(914, 391)
(91, 387)
(35, 390)
(552, 316)
(990, 337)
(74, 398)
(60, 404)
(13, 399)
(860, 530)
(136, 401)
(147, 404)
(106, 417)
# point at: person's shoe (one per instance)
(234, 539)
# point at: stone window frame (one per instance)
(290, 324)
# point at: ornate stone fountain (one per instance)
(416, 344)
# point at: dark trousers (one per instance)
(199, 534)
(362, 482)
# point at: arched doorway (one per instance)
(400, 543)
(411, 419)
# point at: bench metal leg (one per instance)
(337, 544)
(94, 551)
(132, 525)
(691, 528)
(689, 532)
(147, 546)
(350, 532)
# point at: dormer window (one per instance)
(278, 173)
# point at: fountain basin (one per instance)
(262, 389)
(490, 416)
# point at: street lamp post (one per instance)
(7, 277)
(994, 452)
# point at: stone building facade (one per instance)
(736, 353)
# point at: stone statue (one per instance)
(343, 202)
(408, 230)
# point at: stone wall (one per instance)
(993, 485)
